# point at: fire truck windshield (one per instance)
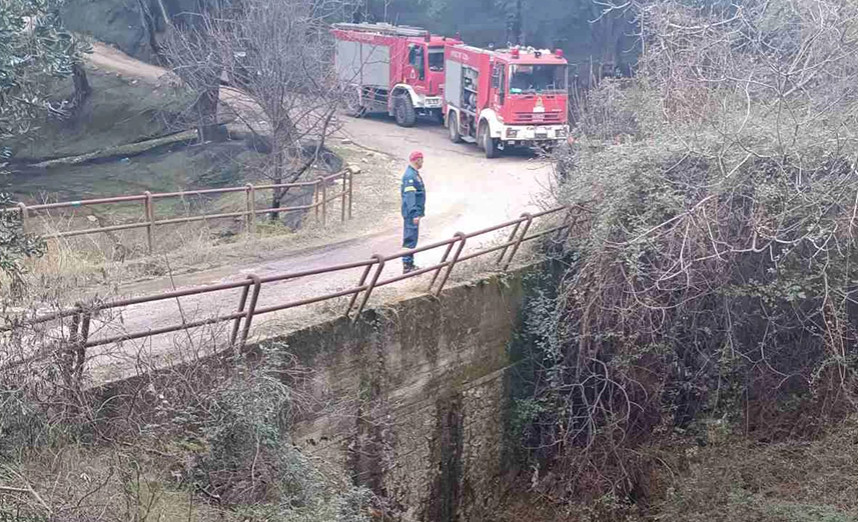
(538, 78)
(436, 58)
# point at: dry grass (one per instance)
(740, 480)
(730, 479)
(111, 482)
(104, 262)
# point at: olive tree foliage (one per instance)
(277, 58)
(715, 277)
(35, 52)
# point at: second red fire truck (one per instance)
(495, 98)
(394, 69)
(505, 98)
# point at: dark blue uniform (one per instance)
(412, 198)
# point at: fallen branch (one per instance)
(122, 151)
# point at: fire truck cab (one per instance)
(393, 69)
(505, 97)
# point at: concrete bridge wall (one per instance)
(412, 399)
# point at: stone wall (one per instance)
(411, 400)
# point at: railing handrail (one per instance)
(158, 195)
(82, 314)
(320, 199)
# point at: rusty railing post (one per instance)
(321, 182)
(74, 355)
(317, 200)
(352, 173)
(82, 343)
(249, 209)
(76, 324)
(252, 307)
(462, 237)
(569, 229)
(528, 218)
(360, 284)
(510, 238)
(240, 310)
(381, 264)
(150, 218)
(25, 216)
(343, 195)
(441, 262)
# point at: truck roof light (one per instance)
(559, 53)
(515, 53)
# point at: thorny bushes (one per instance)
(716, 279)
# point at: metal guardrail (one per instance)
(321, 199)
(81, 315)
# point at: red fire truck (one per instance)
(393, 69)
(505, 97)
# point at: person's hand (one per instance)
(416, 220)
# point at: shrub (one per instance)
(716, 274)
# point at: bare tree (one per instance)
(277, 58)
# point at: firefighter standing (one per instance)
(412, 198)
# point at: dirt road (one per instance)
(466, 192)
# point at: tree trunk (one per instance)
(518, 24)
(277, 177)
(149, 25)
(81, 83)
(206, 109)
(82, 90)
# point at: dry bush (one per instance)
(716, 275)
(205, 436)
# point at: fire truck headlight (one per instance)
(561, 133)
(511, 133)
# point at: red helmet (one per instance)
(416, 155)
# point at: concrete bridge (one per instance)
(411, 400)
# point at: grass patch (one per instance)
(794, 480)
(110, 260)
(733, 480)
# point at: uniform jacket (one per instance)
(412, 194)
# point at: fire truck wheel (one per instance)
(404, 112)
(488, 143)
(453, 131)
(353, 104)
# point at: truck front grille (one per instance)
(537, 117)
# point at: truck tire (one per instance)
(454, 128)
(488, 143)
(404, 112)
(353, 104)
